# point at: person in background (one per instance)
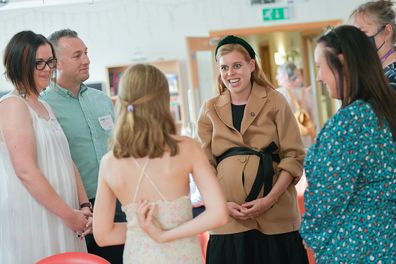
(377, 20)
(300, 99)
(40, 188)
(350, 201)
(148, 171)
(248, 133)
(86, 115)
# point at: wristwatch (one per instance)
(87, 204)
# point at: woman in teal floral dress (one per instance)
(351, 169)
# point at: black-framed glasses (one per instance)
(40, 64)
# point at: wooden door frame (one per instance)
(275, 28)
(194, 45)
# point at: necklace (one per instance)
(383, 58)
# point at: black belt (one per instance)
(265, 171)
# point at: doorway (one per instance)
(203, 72)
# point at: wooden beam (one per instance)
(275, 28)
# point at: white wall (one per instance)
(120, 31)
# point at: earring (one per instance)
(22, 93)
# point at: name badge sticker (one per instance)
(106, 122)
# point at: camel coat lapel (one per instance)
(223, 109)
(256, 101)
(254, 105)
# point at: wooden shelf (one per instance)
(171, 68)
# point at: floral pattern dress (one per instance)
(351, 196)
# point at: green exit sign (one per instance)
(279, 13)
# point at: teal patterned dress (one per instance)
(351, 196)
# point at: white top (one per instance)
(29, 232)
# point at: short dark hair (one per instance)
(362, 71)
(57, 35)
(20, 60)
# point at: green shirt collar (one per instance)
(65, 92)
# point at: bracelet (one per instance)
(88, 204)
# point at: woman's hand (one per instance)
(88, 229)
(237, 211)
(88, 215)
(147, 221)
(86, 211)
(257, 207)
(76, 221)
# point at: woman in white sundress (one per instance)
(148, 171)
(40, 188)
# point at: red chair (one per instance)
(203, 240)
(73, 258)
(301, 186)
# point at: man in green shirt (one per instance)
(87, 118)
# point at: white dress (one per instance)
(28, 231)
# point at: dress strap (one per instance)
(140, 177)
(12, 94)
(16, 95)
(143, 173)
(48, 108)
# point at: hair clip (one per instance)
(130, 108)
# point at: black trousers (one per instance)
(113, 254)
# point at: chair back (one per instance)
(73, 258)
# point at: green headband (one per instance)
(235, 40)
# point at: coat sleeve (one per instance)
(205, 133)
(291, 148)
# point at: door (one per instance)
(324, 106)
(203, 72)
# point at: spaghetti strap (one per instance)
(12, 94)
(140, 177)
(30, 108)
(143, 173)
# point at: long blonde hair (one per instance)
(257, 76)
(144, 125)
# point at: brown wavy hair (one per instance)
(257, 76)
(144, 125)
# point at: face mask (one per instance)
(372, 38)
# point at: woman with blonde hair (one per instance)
(377, 20)
(148, 171)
